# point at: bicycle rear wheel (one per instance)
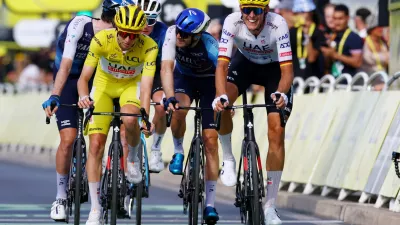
(195, 193)
(253, 188)
(78, 180)
(114, 195)
(139, 190)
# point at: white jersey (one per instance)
(271, 45)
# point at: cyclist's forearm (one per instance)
(286, 78)
(145, 92)
(62, 76)
(220, 78)
(167, 80)
(83, 87)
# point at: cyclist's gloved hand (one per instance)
(53, 101)
(217, 104)
(171, 104)
(282, 101)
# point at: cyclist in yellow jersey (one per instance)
(126, 63)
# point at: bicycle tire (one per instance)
(254, 189)
(139, 191)
(78, 181)
(114, 195)
(196, 182)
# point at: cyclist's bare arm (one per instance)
(167, 77)
(221, 74)
(149, 70)
(83, 86)
(286, 77)
(74, 33)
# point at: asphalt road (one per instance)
(27, 192)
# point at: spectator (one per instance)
(360, 21)
(329, 25)
(306, 41)
(375, 51)
(31, 76)
(3, 52)
(284, 8)
(345, 51)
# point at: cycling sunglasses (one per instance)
(151, 22)
(124, 34)
(183, 34)
(248, 10)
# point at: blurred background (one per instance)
(29, 28)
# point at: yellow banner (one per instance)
(48, 6)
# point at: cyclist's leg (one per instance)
(276, 135)
(238, 81)
(130, 103)
(183, 94)
(210, 138)
(67, 126)
(97, 130)
(159, 120)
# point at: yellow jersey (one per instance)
(115, 65)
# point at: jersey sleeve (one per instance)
(212, 47)
(283, 42)
(150, 57)
(96, 49)
(356, 43)
(74, 33)
(229, 31)
(169, 46)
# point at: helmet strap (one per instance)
(195, 39)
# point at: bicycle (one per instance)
(77, 174)
(192, 185)
(250, 191)
(113, 185)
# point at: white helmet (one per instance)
(153, 8)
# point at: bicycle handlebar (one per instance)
(53, 105)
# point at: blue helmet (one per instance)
(109, 5)
(192, 21)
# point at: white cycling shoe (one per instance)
(58, 210)
(94, 218)
(271, 216)
(134, 172)
(228, 173)
(156, 164)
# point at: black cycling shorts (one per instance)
(157, 85)
(243, 73)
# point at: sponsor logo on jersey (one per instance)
(113, 56)
(132, 59)
(284, 37)
(151, 63)
(83, 47)
(112, 67)
(97, 41)
(76, 23)
(223, 40)
(240, 22)
(256, 48)
(151, 49)
(96, 128)
(273, 26)
(284, 54)
(197, 54)
(109, 37)
(285, 45)
(222, 49)
(227, 33)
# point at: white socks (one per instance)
(62, 181)
(211, 187)
(273, 180)
(94, 190)
(133, 153)
(157, 139)
(226, 144)
(178, 143)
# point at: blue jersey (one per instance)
(158, 35)
(199, 61)
(74, 43)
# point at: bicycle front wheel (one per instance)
(195, 193)
(114, 195)
(78, 181)
(253, 188)
(139, 190)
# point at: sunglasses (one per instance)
(151, 22)
(124, 34)
(183, 34)
(248, 10)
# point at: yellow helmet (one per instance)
(262, 3)
(130, 18)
